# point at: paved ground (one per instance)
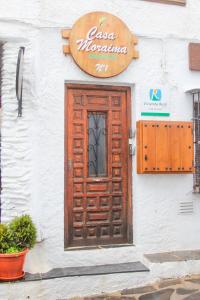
(171, 289)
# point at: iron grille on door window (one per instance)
(196, 120)
(97, 157)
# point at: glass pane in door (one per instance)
(97, 145)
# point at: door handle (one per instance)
(131, 150)
(131, 147)
(145, 157)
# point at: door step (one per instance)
(173, 256)
(173, 264)
(130, 267)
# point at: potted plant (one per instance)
(16, 238)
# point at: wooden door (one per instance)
(97, 166)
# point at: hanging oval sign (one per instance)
(101, 44)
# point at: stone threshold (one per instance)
(130, 267)
(173, 256)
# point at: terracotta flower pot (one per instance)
(11, 266)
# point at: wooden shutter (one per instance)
(164, 147)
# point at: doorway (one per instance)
(98, 169)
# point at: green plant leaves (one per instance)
(18, 235)
(4, 238)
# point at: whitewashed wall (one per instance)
(33, 147)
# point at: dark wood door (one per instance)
(97, 166)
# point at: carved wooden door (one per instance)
(97, 166)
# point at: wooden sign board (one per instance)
(101, 44)
(194, 56)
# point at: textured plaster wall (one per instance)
(17, 133)
(33, 147)
(19, 11)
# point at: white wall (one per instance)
(19, 10)
(164, 32)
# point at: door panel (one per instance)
(97, 188)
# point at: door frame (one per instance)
(127, 90)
